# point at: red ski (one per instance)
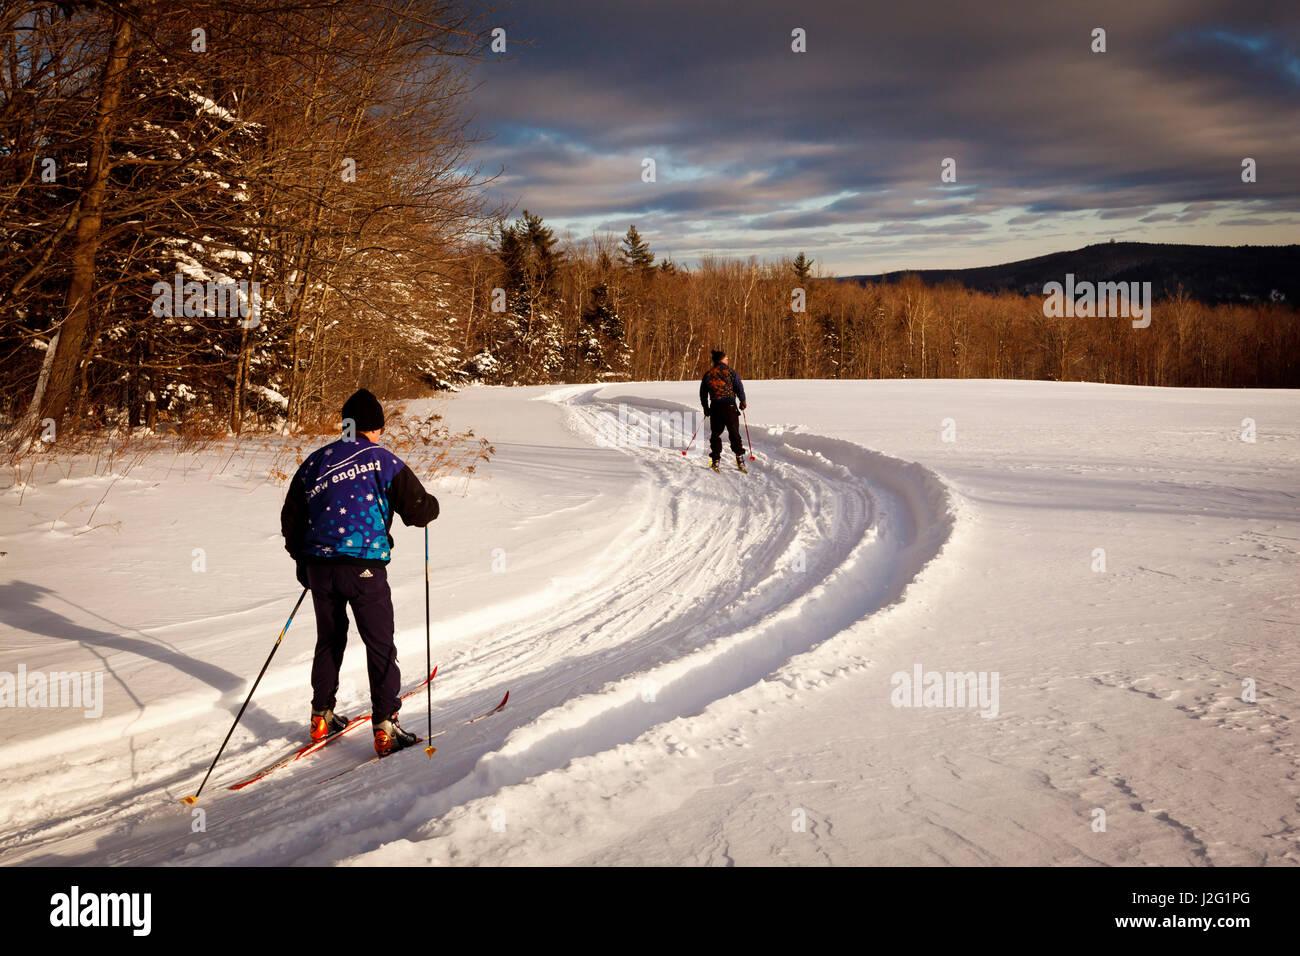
(311, 748)
(419, 740)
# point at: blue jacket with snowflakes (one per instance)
(341, 503)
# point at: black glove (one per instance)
(302, 573)
(743, 405)
(706, 409)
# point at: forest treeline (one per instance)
(234, 213)
(229, 210)
(607, 308)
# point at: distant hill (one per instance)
(1215, 274)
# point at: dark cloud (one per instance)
(770, 149)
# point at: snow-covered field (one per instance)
(703, 669)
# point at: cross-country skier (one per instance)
(720, 389)
(335, 524)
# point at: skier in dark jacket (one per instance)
(335, 522)
(720, 390)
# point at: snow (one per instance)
(271, 395)
(702, 667)
(208, 106)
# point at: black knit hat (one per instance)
(365, 411)
(718, 356)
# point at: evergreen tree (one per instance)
(635, 252)
(513, 258)
(529, 262)
(527, 340)
(603, 346)
(543, 259)
(802, 266)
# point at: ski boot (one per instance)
(390, 737)
(740, 463)
(713, 463)
(325, 722)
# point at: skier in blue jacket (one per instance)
(335, 522)
(720, 390)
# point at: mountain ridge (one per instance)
(1212, 274)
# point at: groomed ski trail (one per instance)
(714, 584)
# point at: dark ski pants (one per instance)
(335, 587)
(724, 415)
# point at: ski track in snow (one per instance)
(675, 615)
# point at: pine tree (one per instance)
(528, 260)
(802, 266)
(545, 261)
(635, 252)
(529, 341)
(513, 258)
(603, 346)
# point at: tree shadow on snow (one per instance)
(20, 609)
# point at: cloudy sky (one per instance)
(837, 151)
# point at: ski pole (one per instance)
(747, 441)
(284, 630)
(428, 654)
(692, 441)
